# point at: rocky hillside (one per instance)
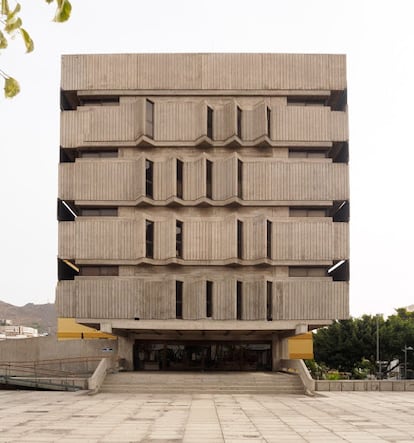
(42, 317)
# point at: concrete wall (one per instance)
(364, 385)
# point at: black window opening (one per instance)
(149, 178)
(66, 270)
(178, 299)
(106, 153)
(179, 179)
(98, 271)
(239, 179)
(149, 118)
(268, 115)
(209, 123)
(99, 101)
(269, 304)
(209, 299)
(239, 122)
(149, 239)
(239, 300)
(66, 210)
(179, 239)
(209, 178)
(98, 212)
(239, 239)
(269, 239)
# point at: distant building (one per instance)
(204, 204)
(12, 331)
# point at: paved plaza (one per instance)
(30, 416)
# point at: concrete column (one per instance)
(275, 352)
(125, 352)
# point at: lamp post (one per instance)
(378, 346)
(406, 348)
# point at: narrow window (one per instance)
(179, 179)
(209, 175)
(99, 154)
(103, 271)
(239, 122)
(269, 239)
(178, 299)
(149, 239)
(179, 239)
(269, 305)
(149, 172)
(149, 115)
(239, 239)
(98, 212)
(268, 121)
(239, 300)
(209, 123)
(209, 299)
(239, 179)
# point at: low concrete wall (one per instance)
(299, 367)
(45, 351)
(97, 378)
(364, 385)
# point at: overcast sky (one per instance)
(378, 39)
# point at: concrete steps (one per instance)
(203, 383)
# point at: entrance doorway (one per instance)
(203, 356)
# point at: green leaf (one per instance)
(5, 10)
(11, 87)
(63, 11)
(3, 41)
(27, 40)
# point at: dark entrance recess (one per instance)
(202, 356)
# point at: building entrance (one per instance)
(202, 356)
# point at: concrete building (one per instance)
(203, 203)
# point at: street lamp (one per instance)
(378, 346)
(406, 348)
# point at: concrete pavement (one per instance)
(33, 416)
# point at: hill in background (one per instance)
(42, 317)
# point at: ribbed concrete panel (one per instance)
(121, 123)
(165, 179)
(224, 178)
(254, 300)
(339, 126)
(254, 238)
(66, 240)
(177, 120)
(224, 121)
(194, 300)
(158, 300)
(66, 187)
(224, 300)
(276, 180)
(341, 241)
(210, 239)
(301, 241)
(194, 179)
(254, 122)
(164, 239)
(73, 127)
(203, 71)
(66, 299)
(307, 300)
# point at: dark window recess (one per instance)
(239, 122)
(340, 211)
(179, 179)
(239, 301)
(179, 239)
(307, 212)
(67, 155)
(307, 271)
(98, 271)
(338, 100)
(269, 302)
(269, 239)
(149, 118)
(239, 179)
(68, 100)
(179, 299)
(99, 101)
(307, 100)
(209, 299)
(268, 117)
(339, 152)
(66, 270)
(66, 210)
(209, 123)
(107, 153)
(149, 177)
(339, 271)
(301, 153)
(209, 178)
(239, 239)
(98, 212)
(149, 239)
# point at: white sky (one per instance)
(376, 35)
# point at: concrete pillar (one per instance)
(275, 352)
(125, 353)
